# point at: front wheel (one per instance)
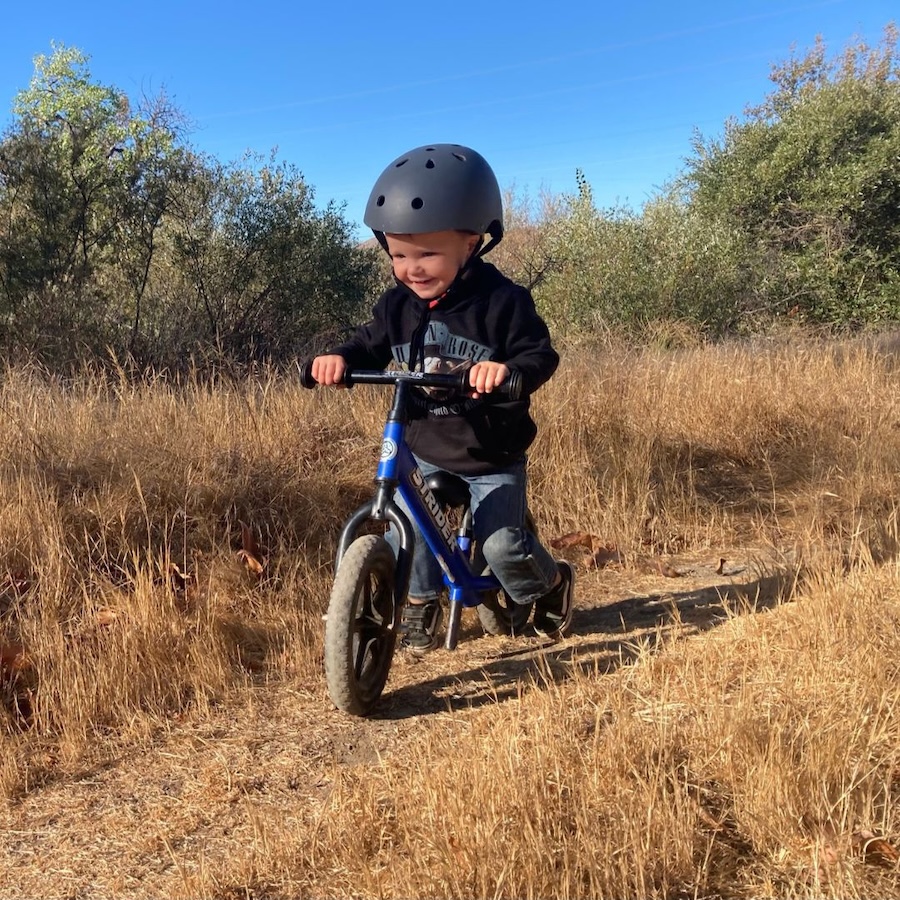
(361, 627)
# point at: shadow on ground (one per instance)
(621, 630)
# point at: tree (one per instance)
(84, 185)
(811, 179)
(263, 270)
(115, 235)
(631, 271)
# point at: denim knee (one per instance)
(505, 544)
(520, 563)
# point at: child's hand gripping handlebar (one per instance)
(457, 382)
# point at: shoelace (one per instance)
(417, 615)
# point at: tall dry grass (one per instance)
(753, 760)
(111, 493)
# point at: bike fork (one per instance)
(452, 635)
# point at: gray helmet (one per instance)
(436, 188)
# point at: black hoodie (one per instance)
(484, 316)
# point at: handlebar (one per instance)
(457, 382)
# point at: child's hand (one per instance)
(485, 376)
(329, 369)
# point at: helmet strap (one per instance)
(495, 231)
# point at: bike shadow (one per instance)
(630, 627)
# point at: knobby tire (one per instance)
(361, 626)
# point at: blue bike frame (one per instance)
(397, 471)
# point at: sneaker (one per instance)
(419, 625)
(553, 612)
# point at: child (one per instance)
(430, 209)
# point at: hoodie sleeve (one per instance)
(528, 348)
(369, 347)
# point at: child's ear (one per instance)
(472, 242)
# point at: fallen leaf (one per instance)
(721, 569)
(13, 659)
(875, 850)
(250, 551)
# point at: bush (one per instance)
(811, 181)
(631, 271)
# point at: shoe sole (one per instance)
(568, 607)
(421, 651)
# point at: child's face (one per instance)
(428, 263)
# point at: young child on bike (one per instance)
(431, 209)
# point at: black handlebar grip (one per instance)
(306, 378)
(512, 386)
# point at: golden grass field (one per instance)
(722, 723)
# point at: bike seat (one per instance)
(450, 490)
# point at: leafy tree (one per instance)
(84, 185)
(811, 179)
(114, 235)
(630, 271)
(263, 270)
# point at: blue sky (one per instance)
(540, 89)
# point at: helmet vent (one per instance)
(417, 203)
(429, 164)
(380, 200)
(402, 162)
(460, 157)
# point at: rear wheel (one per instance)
(361, 628)
(499, 615)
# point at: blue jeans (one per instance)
(521, 564)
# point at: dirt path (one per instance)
(140, 825)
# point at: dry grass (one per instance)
(168, 698)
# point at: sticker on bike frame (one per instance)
(435, 510)
(444, 567)
(388, 449)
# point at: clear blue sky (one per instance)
(541, 89)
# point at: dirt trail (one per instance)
(139, 825)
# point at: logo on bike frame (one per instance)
(388, 449)
(435, 510)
